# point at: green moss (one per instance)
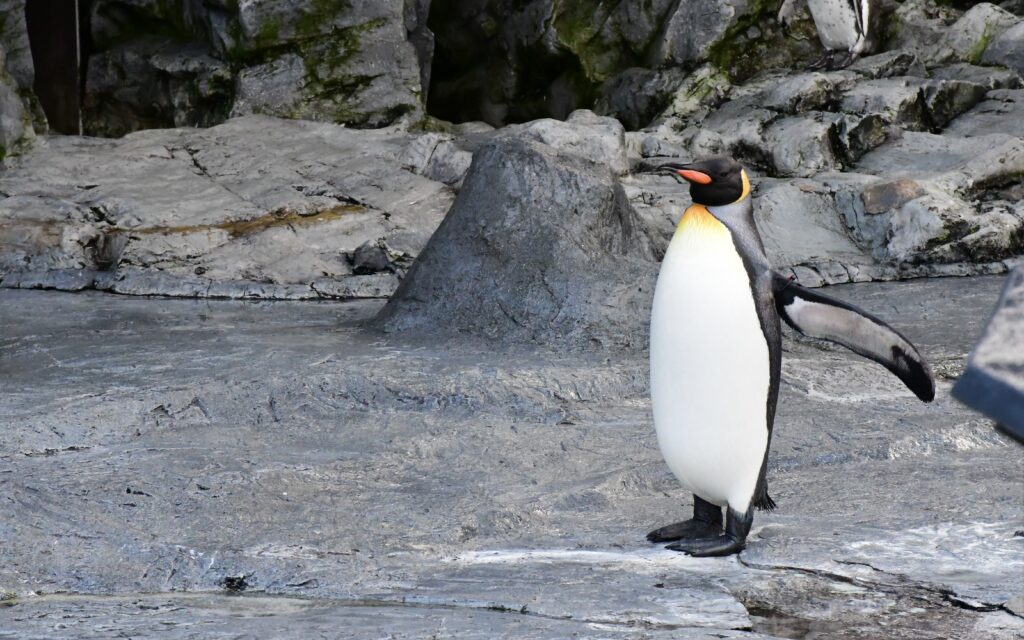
(430, 124)
(269, 35)
(703, 87)
(579, 25)
(585, 27)
(320, 13)
(974, 57)
(741, 56)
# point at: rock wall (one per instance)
(20, 115)
(195, 63)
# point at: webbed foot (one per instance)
(687, 530)
(841, 60)
(825, 61)
(737, 526)
(706, 523)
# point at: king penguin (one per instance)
(844, 27)
(716, 356)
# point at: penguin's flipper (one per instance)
(820, 316)
(789, 9)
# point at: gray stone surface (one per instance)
(1008, 49)
(1001, 111)
(539, 244)
(256, 207)
(368, 485)
(967, 39)
(993, 382)
(596, 138)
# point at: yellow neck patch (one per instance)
(697, 219)
(746, 184)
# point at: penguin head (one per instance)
(713, 182)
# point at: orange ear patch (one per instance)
(694, 176)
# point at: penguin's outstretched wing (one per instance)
(819, 316)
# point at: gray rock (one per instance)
(699, 93)
(940, 227)
(967, 39)
(858, 133)
(800, 225)
(154, 83)
(1002, 112)
(15, 44)
(364, 73)
(993, 382)
(740, 125)
(918, 25)
(362, 64)
(801, 146)
(800, 93)
(947, 99)
(540, 245)
(890, 64)
(16, 131)
(1007, 49)
(438, 157)
(984, 76)
(255, 207)
(636, 96)
(898, 100)
(596, 138)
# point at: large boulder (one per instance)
(539, 246)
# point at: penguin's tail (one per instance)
(764, 502)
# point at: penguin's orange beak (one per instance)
(694, 176)
(685, 171)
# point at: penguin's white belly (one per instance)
(710, 370)
(836, 22)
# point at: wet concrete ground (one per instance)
(205, 469)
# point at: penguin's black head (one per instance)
(713, 182)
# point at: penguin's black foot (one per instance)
(737, 526)
(687, 530)
(709, 547)
(825, 61)
(841, 60)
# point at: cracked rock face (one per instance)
(256, 207)
(911, 170)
